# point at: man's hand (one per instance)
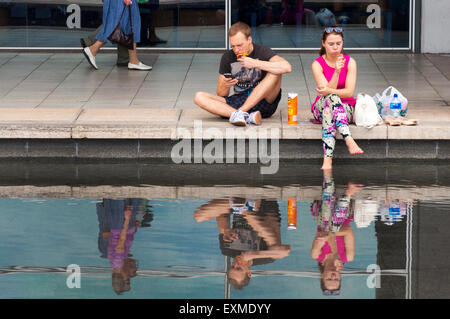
(127, 2)
(248, 63)
(228, 82)
(230, 235)
(279, 251)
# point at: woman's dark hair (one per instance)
(325, 35)
(322, 283)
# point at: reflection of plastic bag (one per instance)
(366, 112)
(392, 212)
(384, 100)
(365, 212)
(326, 17)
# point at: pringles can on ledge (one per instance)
(292, 108)
(292, 214)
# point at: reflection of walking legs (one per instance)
(148, 34)
(122, 52)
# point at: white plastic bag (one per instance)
(365, 211)
(385, 98)
(366, 111)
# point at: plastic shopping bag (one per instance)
(366, 111)
(385, 98)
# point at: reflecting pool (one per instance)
(160, 231)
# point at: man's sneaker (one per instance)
(239, 118)
(254, 118)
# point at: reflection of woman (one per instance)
(112, 11)
(334, 243)
(118, 224)
(335, 76)
(254, 237)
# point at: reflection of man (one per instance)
(253, 238)
(118, 223)
(254, 71)
(334, 243)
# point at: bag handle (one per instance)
(385, 91)
(129, 11)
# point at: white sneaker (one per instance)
(239, 118)
(90, 57)
(254, 118)
(141, 67)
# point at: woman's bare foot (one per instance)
(353, 148)
(327, 164)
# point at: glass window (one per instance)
(299, 23)
(61, 23)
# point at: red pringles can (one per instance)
(292, 214)
(292, 108)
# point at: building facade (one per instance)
(198, 25)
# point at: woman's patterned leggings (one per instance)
(334, 115)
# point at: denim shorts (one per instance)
(267, 109)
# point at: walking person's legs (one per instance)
(134, 63)
(90, 39)
(123, 57)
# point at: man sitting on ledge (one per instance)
(255, 73)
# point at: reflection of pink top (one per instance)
(116, 259)
(326, 249)
(328, 71)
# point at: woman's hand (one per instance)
(353, 188)
(340, 63)
(323, 91)
(127, 2)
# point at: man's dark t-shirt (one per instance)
(248, 78)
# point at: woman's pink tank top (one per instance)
(328, 72)
(326, 249)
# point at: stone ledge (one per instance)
(198, 192)
(45, 123)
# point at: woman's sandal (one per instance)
(392, 121)
(409, 122)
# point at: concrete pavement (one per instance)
(59, 96)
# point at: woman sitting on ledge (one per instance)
(335, 76)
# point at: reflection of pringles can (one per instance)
(292, 108)
(292, 214)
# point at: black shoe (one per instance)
(157, 41)
(83, 44)
(122, 64)
(150, 43)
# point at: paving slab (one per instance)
(126, 123)
(37, 123)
